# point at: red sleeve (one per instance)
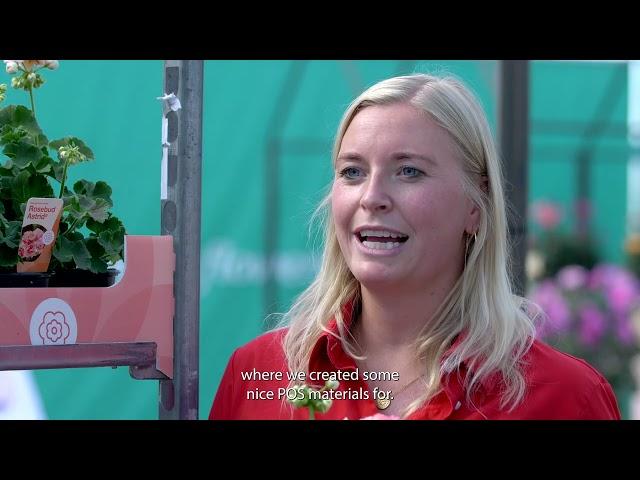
(601, 403)
(223, 403)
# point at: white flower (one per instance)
(534, 265)
(51, 64)
(31, 65)
(11, 66)
(31, 77)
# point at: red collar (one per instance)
(329, 347)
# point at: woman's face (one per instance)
(397, 199)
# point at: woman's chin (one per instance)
(378, 277)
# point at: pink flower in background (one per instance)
(573, 277)
(622, 294)
(620, 287)
(624, 330)
(589, 315)
(602, 275)
(592, 325)
(554, 306)
(546, 214)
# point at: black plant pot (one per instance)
(83, 278)
(24, 280)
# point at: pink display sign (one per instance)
(138, 308)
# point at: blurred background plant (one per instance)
(593, 315)
(552, 247)
(590, 306)
(632, 249)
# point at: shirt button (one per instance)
(458, 405)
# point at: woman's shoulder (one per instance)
(265, 347)
(270, 339)
(547, 364)
(566, 387)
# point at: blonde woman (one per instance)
(412, 310)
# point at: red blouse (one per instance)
(559, 386)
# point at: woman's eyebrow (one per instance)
(353, 156)
(406, 155)
(402, 155)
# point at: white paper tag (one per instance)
(169, 103)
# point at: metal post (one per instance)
(181, 218)
(513, 101)
(609, 100)
(282, 111)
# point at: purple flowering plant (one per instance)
(594, 315)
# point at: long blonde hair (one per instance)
(497, 332)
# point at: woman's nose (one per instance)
(375, 197)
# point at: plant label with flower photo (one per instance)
(38, 233)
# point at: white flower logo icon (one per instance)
(54, 329)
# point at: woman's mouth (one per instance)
(381, 239)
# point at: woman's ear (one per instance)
(473, 219)
(484, 184)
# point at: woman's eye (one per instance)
(350, 173)
(411, 172)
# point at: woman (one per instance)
(412, 310)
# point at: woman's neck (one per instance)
(392, 320)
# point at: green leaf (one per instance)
(110, 236)
(42, 140)
(66, 141)
(74, 236)
(10, 134)
(8, 256)
(19, 116)
(62, 249)
(44, 165)
(113, 244)
(7, 170)
(98, 265)
(11, 235)
(96, 190)
(6, 184)
(25, 186)
(82, 207)
(58, 171)
(72, 209)
(81, 255)
(23, 154)
(90, 200)
(97, 209)
(95, 249)
(67, 250)
(111, 224)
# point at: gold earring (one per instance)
(466, 248)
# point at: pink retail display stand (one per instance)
(127, 324)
